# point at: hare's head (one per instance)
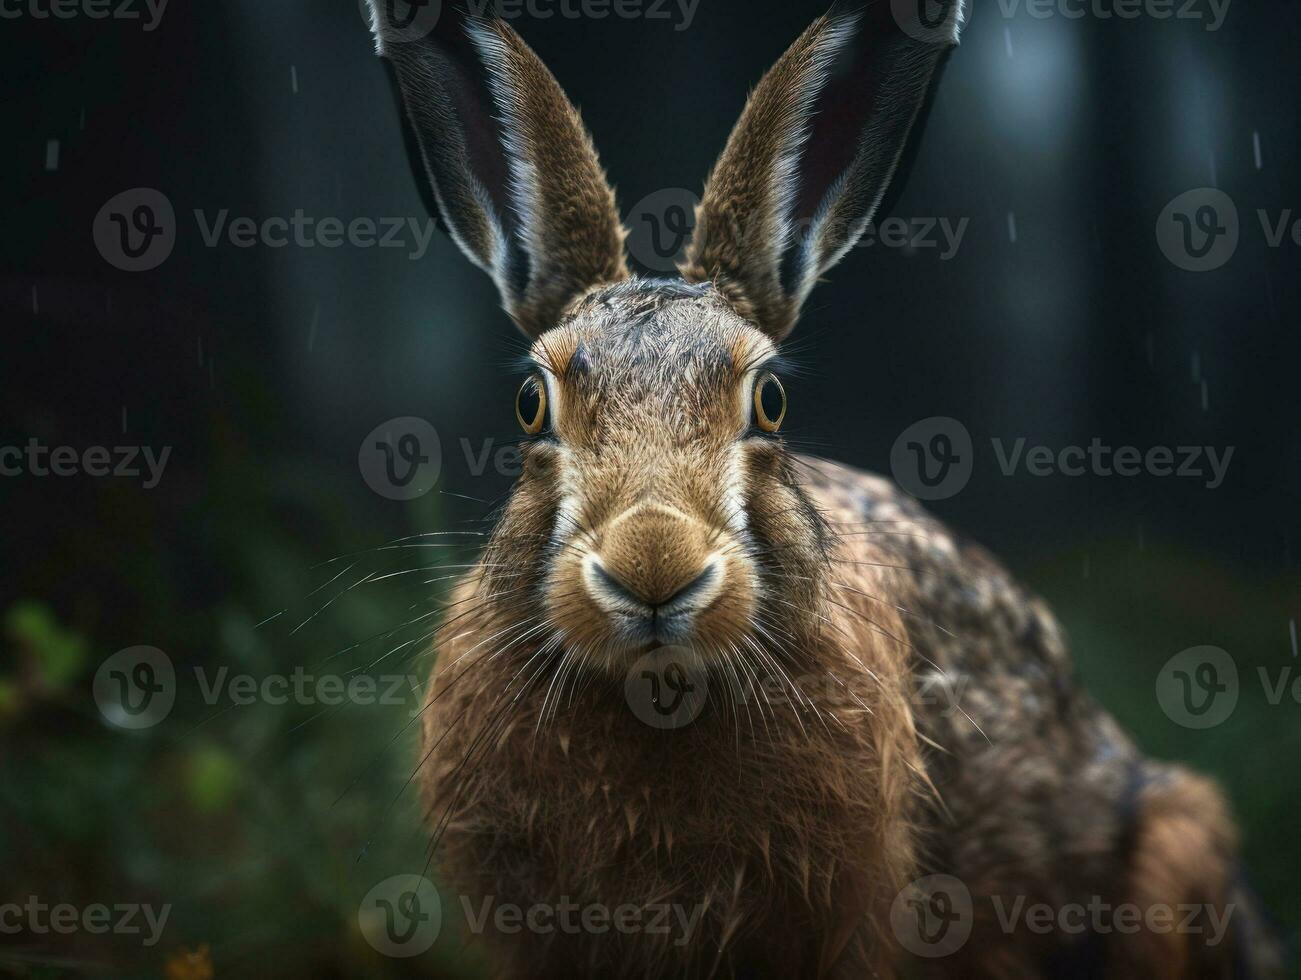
(658, 504)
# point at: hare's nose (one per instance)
(642, 613)
(653, 571)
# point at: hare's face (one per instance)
(657, 505)
(664, 507)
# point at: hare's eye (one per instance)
(769, 402)
(531, 405)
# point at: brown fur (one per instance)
(484, 144)
(885, 702)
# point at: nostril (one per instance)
(622, 594)
(613, 585)
(687, 596)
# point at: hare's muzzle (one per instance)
(653, 574)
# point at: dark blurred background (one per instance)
(1068, 311)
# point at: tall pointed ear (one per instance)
(813, 153)
(514, 174)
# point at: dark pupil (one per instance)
(770, 397)
(530, 403)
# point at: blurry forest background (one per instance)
(1058, 319)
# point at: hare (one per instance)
(810, 815)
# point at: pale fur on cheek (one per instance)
(738, 521)
(569, 509)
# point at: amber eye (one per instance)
(531, 405)
(769, 402)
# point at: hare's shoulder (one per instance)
(978, 639)
(1018, 750)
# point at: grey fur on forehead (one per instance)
(670, 323)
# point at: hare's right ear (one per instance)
(513, 170)
(810, 159)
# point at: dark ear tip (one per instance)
(936, 22)
(394, 22)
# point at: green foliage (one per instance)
(57, 654)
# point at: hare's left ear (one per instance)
(813, 153)
(512, 168)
